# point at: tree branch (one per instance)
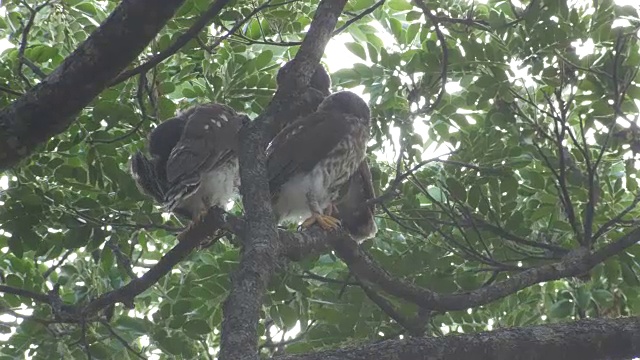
(445, 54)
(364, 13)
(584, 339)
(575, 263)
(23, 43)
(187, 241)
(48, 108)
(181, 41)
(241, 309)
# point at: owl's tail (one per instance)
(146, 178)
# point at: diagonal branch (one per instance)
(241, 309)
(364, 13)
(584, 339)
(445, 53)
(187, 241)
(609, 224)
(413, 325)
(48, 108)
(573, 264)
(181, 41)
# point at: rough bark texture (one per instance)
(585, 340)
(241, 309)
(305, 63)
(49, 107)
(239, 338)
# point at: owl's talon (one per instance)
(326, 222)
(199, 218)
(330, 210)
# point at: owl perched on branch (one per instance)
(351, 209)
(311, 159)
(307, 101)
(356, 215)
(193, 163)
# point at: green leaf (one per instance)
(399, 5)
(196, 328)
(561, 309)
(173, 344)
(437, 194)
(87, 8)
(396, 28)
(474, 196)
(457, 190)
(263, 59)
(411, 33)
(629, 275)
(356, 49)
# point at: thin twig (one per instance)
(122, 340)
(24, 39)
(445, 54)
(10, 91)
(364, 13)
(392, 190)
(182, 40)
(83, 340)
(309, 275)
(414, 328)
(57, 265)
(142, 85)
(609, 224)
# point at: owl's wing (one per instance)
(164, 137)
(208, 139)
(146, 178)
(300, 107)
(357, 218)
(299, 147)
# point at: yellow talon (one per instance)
(198, 218)
(326, 222)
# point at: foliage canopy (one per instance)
(536, 100)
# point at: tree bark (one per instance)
(241, 309)
(585, 340)
(49, 107)
(574, 263)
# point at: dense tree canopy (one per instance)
(503, 150)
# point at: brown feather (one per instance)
(299, 147)
(356, 217)
(207, 140)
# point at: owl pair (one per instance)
(316, 164)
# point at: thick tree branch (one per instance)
(48, 108)
(304, 64)
(241, 309)
(261, 249)
(187, 241)
(575, 263)
(584, 339)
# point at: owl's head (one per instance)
(346, 102)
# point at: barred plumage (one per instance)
(193, 164)
(310, 160)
